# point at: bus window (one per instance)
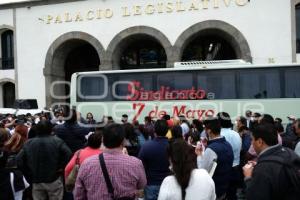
(90, 87)
(219, 83)
(258, 84)
(292, 83)
(127, 81)
(175, 81)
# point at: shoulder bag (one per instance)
(108, 182)
(71, 179)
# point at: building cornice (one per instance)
(32, 3)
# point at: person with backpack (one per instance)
(93, 148)
(275, 175)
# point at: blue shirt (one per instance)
(155, 160)
(234, 139)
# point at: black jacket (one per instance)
(72, 134)
(269, 180)
(43, 158)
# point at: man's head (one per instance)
(110, 120)
(212, 127)
(166, 117)
(182, 119)
(297, 127)
(266, 118)
(291, 119)
(263, 136)
(147, 120)
(248, 113)
(71, 116)
(256, 116)
(44, 128)
(279, 128)
(225, 120)
(161, 127)
(124, 118)
(95, 139)
(113, 136)
(278, 120)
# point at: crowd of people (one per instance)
(44, 158)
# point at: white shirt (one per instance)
(234, 139)
(207, 159)
(185, 128)
(201, 187)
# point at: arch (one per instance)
(4, 80)
(226, 31)
(5, 27)
(113, 51)
(56, 56)
(54, 47)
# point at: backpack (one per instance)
(291, 169)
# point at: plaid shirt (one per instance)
(126, 173)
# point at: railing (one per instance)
(7, 63)
(211, 63)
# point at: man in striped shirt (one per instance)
(126, 173)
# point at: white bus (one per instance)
(193, 91)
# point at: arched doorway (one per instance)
(70, 53)
(81, 58)
(212, 40)
(142, 52)
(8, 94)
(139, 47)
(208, 47)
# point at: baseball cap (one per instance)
(291, 117)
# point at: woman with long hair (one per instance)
(15, 144)
(131, 141)
(90, 118)
(188, 182)
(17, 140)
(12, 147)
(176, 132)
